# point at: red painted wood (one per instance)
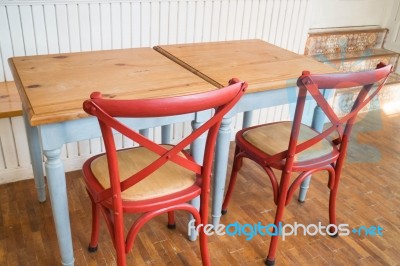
(109, 200)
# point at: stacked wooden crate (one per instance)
(355, 49)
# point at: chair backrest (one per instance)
(108, 110)
(312, 84)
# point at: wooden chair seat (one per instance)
(273, 138)
(168, 179)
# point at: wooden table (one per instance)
(10, 103)
(53, 88)
(267, 68)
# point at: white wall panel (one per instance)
(7, 140)
(84, 27)
(198, 26)
(95, 27)
(6, 47)
(116, 26)
(181, 30)
(28, 30)
(21, 142)
(344, 13)
(136, 22)
(126, 26)
(16, 30)
(39, 27)
(105, 26)
(145, 24)
(50, 19)
(62, 29)
(393, 24)
(74, 28)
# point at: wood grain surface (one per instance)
(10, 103)
(53, 87)
(264, 66)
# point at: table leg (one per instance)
(35, 152)
(144, 132)
(220, 168)
(166, 134)
(59, 204)
(317, 124)
(247, 118)
(197, 151)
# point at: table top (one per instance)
(53, 87)
(10, 103)
(264, 66)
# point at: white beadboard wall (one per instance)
(43, 27)
(392, 22)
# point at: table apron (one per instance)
(53, 136)
(264, 99)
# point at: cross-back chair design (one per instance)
(294, 147)
(151, 179)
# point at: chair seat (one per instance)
(273, 138)
(168, 179)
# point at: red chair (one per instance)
(151, 179)
(295, 147)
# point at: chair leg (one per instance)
(237, 164)
(119, 241)
(333, 193)
(171, 220)
(280, 209)
(270, 260)
(203, 219)
(121, 256)
(332, 209)
(332, 203)
(205, 256)
(95, 228)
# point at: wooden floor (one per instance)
(369, 195)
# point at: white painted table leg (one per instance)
(35, 152)
(220, 168)
(197, 151)
(144, 132)
(59, 204)
(166, 134)
(247, 118)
